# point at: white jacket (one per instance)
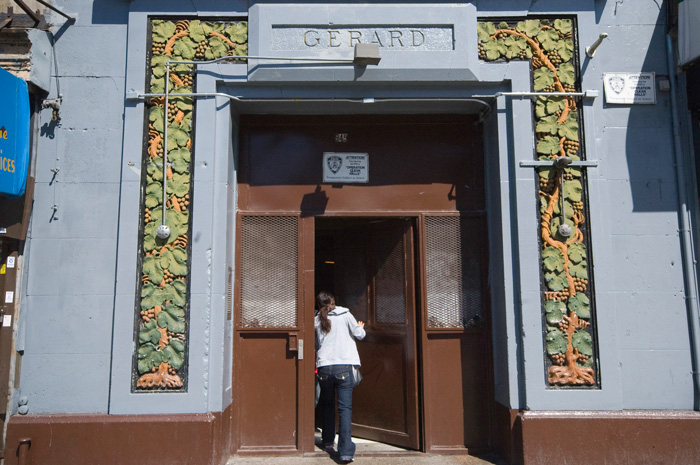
(337, 347)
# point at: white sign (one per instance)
(9, 297)
(7, 320)
(398, 38)
(10, 262)
(345, 167)
(630, 88)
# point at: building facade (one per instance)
(504, 191)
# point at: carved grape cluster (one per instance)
(571, 146)
(580, 284)
(558, 359)
(148, 315)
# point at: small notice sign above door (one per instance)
(345, 167)
(630, 88)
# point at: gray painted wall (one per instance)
(80, 289)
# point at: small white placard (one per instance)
(3, 230)
(345, 167)
(9, 297)
(10, 262)
(7, 320)
(630, 88)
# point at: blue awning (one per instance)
(14, 134)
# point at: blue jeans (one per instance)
(338, 378)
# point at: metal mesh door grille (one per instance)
(268, 271)
(390, 298)
(453, 271)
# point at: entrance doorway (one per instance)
(368, 264)
(405, 251)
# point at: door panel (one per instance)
(269, 328)
(385, 404)
(268, 397)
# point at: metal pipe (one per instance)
(689, 269)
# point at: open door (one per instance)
(375, 279)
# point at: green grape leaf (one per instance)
(179, 160)
(178, 262)
(153, 269)
(577, 253)
(166, 319)
(164, 259)
(185, 48)
(555, 104)
(178, 345)
(154, 169)
(548, 38)
(174, 293)
(563, 25)
(157, 85)
(149, 333)
(556, 342)
(149, 236)
(156, 117)
(180, 287)
(565, 48)
(514, 45)
(549, 145)
(552, 259)
(543, 78)
(211, 26)
(548, 125)
(162, 31)
(174, 358)
(176, 137)
(566, 73)
(556, 281)
(580, 305)
(238, 32)
(152, 200)
(149, 357)
(530, 27)
(184, 103)
(569, 128)
(547, 172)
(180, 184)
(579, 270)
(485, 31)
(573, 190)
(554, 311)
(154, 188)
(217, 49)
(494, 49)
(196, 31)
(158, 65)
(582, 341)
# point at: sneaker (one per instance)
(329, 448)
(347, 459)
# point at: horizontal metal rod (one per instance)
(534, 163)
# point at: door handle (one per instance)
(296, 345)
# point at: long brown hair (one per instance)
(326, 303)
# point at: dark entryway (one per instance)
(405, 251)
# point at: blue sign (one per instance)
(14, 134)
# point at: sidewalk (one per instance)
(371, 453)
(409, 459)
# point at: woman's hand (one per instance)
(361, 324)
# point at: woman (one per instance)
(336, 353)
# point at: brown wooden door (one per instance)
(377, 280)
(269, 360)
